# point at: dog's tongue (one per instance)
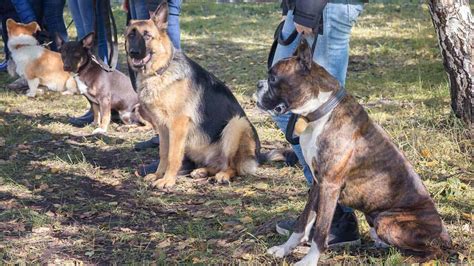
(137, 61)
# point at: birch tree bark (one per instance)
(454, 25)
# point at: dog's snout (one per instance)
(261, 84)
(134, 52)
(67, 68)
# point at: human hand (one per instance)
(303, 29)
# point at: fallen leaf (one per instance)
(425, 153)
(468, 216)
(229, 210)
(246, 220)
(165, 243)
(261, 186)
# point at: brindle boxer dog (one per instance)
(353, 161)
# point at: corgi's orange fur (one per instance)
(38, 65)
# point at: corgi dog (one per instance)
(35, 63)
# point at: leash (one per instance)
(290, 128)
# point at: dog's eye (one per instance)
(147, 35)
(272, 79)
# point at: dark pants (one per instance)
(6, 11)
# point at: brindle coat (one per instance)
(193, 112)
(354, 162)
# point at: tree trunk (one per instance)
(454, 25)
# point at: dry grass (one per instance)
(69, 197)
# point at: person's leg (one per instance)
(75, 10)
(102, 48)
(54, 20)
(173, 22)
(139, 9)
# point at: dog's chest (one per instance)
(309, 140)
(24, 56)
(81, 86)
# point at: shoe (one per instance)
(344, 229)
(186, 168)
(18, 85)
(83, 120)
(3, 66)
(148, 144)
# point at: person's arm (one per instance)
(308, 14)
(24, 10)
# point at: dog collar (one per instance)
(162, 69)
(326, 107)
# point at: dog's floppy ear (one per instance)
(88, 40)
(33, 27)
(58, 40)
(304, 54)
(160, 16)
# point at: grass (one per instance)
(66, 197)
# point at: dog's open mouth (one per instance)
(141, 62)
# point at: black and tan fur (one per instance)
(354, 162)
(193, 111)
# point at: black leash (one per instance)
(290, 128)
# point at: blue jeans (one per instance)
(82, 12)
(139, 10)
(48, 13)
(332, 52)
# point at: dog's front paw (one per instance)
(278, 251)
(165, 182)
(199, 173)
(99, 131)
(31, 93)
(222, 177)
(150, 178)
(307, 262)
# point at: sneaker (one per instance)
(83, 120)
(18, 85)
(344, 229)
(148, 144)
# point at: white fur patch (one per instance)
(24, 55)
(309, 225)
(285, 249)
(313, 104)
(81, 86)
(312, 257)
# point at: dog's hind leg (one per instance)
(303, 226)
(238, 148)
(419, 231)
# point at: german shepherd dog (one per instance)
(192, 111)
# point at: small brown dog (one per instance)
(105, 89)
(353, 162)
(38, 65)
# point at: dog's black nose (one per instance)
(134, 53)
(67, 68)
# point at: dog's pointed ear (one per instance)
(33, 27)
(10, 24)
(59, 41)
(88, 40)
(304, 54)
(160, 16)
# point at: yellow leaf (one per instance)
(246, 220)
(425, 153)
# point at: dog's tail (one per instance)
(286, 155)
